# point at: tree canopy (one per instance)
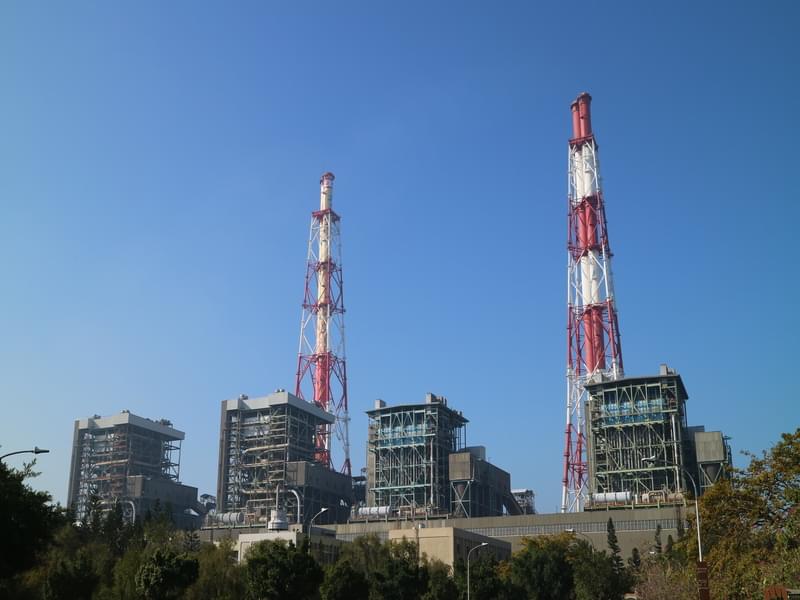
(750, 532)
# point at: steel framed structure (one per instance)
(594, 350)
(631, 420)
(259, 438)
(108, 450)
(321, 367)
(408, 455)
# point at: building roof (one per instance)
(128, 418)
(456, 414)
(639, 379)
(278, 398)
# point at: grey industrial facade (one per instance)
(635, 527)
(131, 460)
(641, 450)
(418, 464)
(267, 455)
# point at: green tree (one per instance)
(393, 570)
(486, 578)
(657, 539)
(190, 540)
(27, 524)
(635, 561)
(662, 580)
(613, 546)
(126, 568)
(275, 570)
(344, 582)
(406, 577)
(165, 574)
(220, 576)
(594, 574)
(441, 585)
(115, 532)
(71, 577)
(542, 569)
(750, 524)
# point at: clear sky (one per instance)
(159, 162)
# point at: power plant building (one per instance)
(640, 446)
(478, 488)
(408, 455)
(418, 464)
(269, 459)
(130, 460)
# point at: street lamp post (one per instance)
(653, 460)
(311, 526)
(36, 450)
(702, 573)
(468, 553)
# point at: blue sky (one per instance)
(159, 161)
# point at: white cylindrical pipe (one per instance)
(590, 278)
(324, 255)
(589, 172)
(586, 280)
(577, 175)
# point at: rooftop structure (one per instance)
(408, 453)
(526, 500)
(269, 457)
(110, 453)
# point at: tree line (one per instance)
(750, 531)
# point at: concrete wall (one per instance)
(449, 544)
(325, 548)
(635, 527)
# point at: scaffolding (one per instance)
(408, 455)
(636, 445)
(264, 443)
(108, 450)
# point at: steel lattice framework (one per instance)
(321, 366)
(593, 341)
(409, 447)
(631, 420)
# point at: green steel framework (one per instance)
(408, 452)
(631, 420)
(106, 456)
(256, 445)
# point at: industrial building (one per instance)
(268, 458)
(130, 460)
(640, 447)
(478, 488)
(418, 464)
(450, 545)
(408, 455)
(710, 452)
(635, 528)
